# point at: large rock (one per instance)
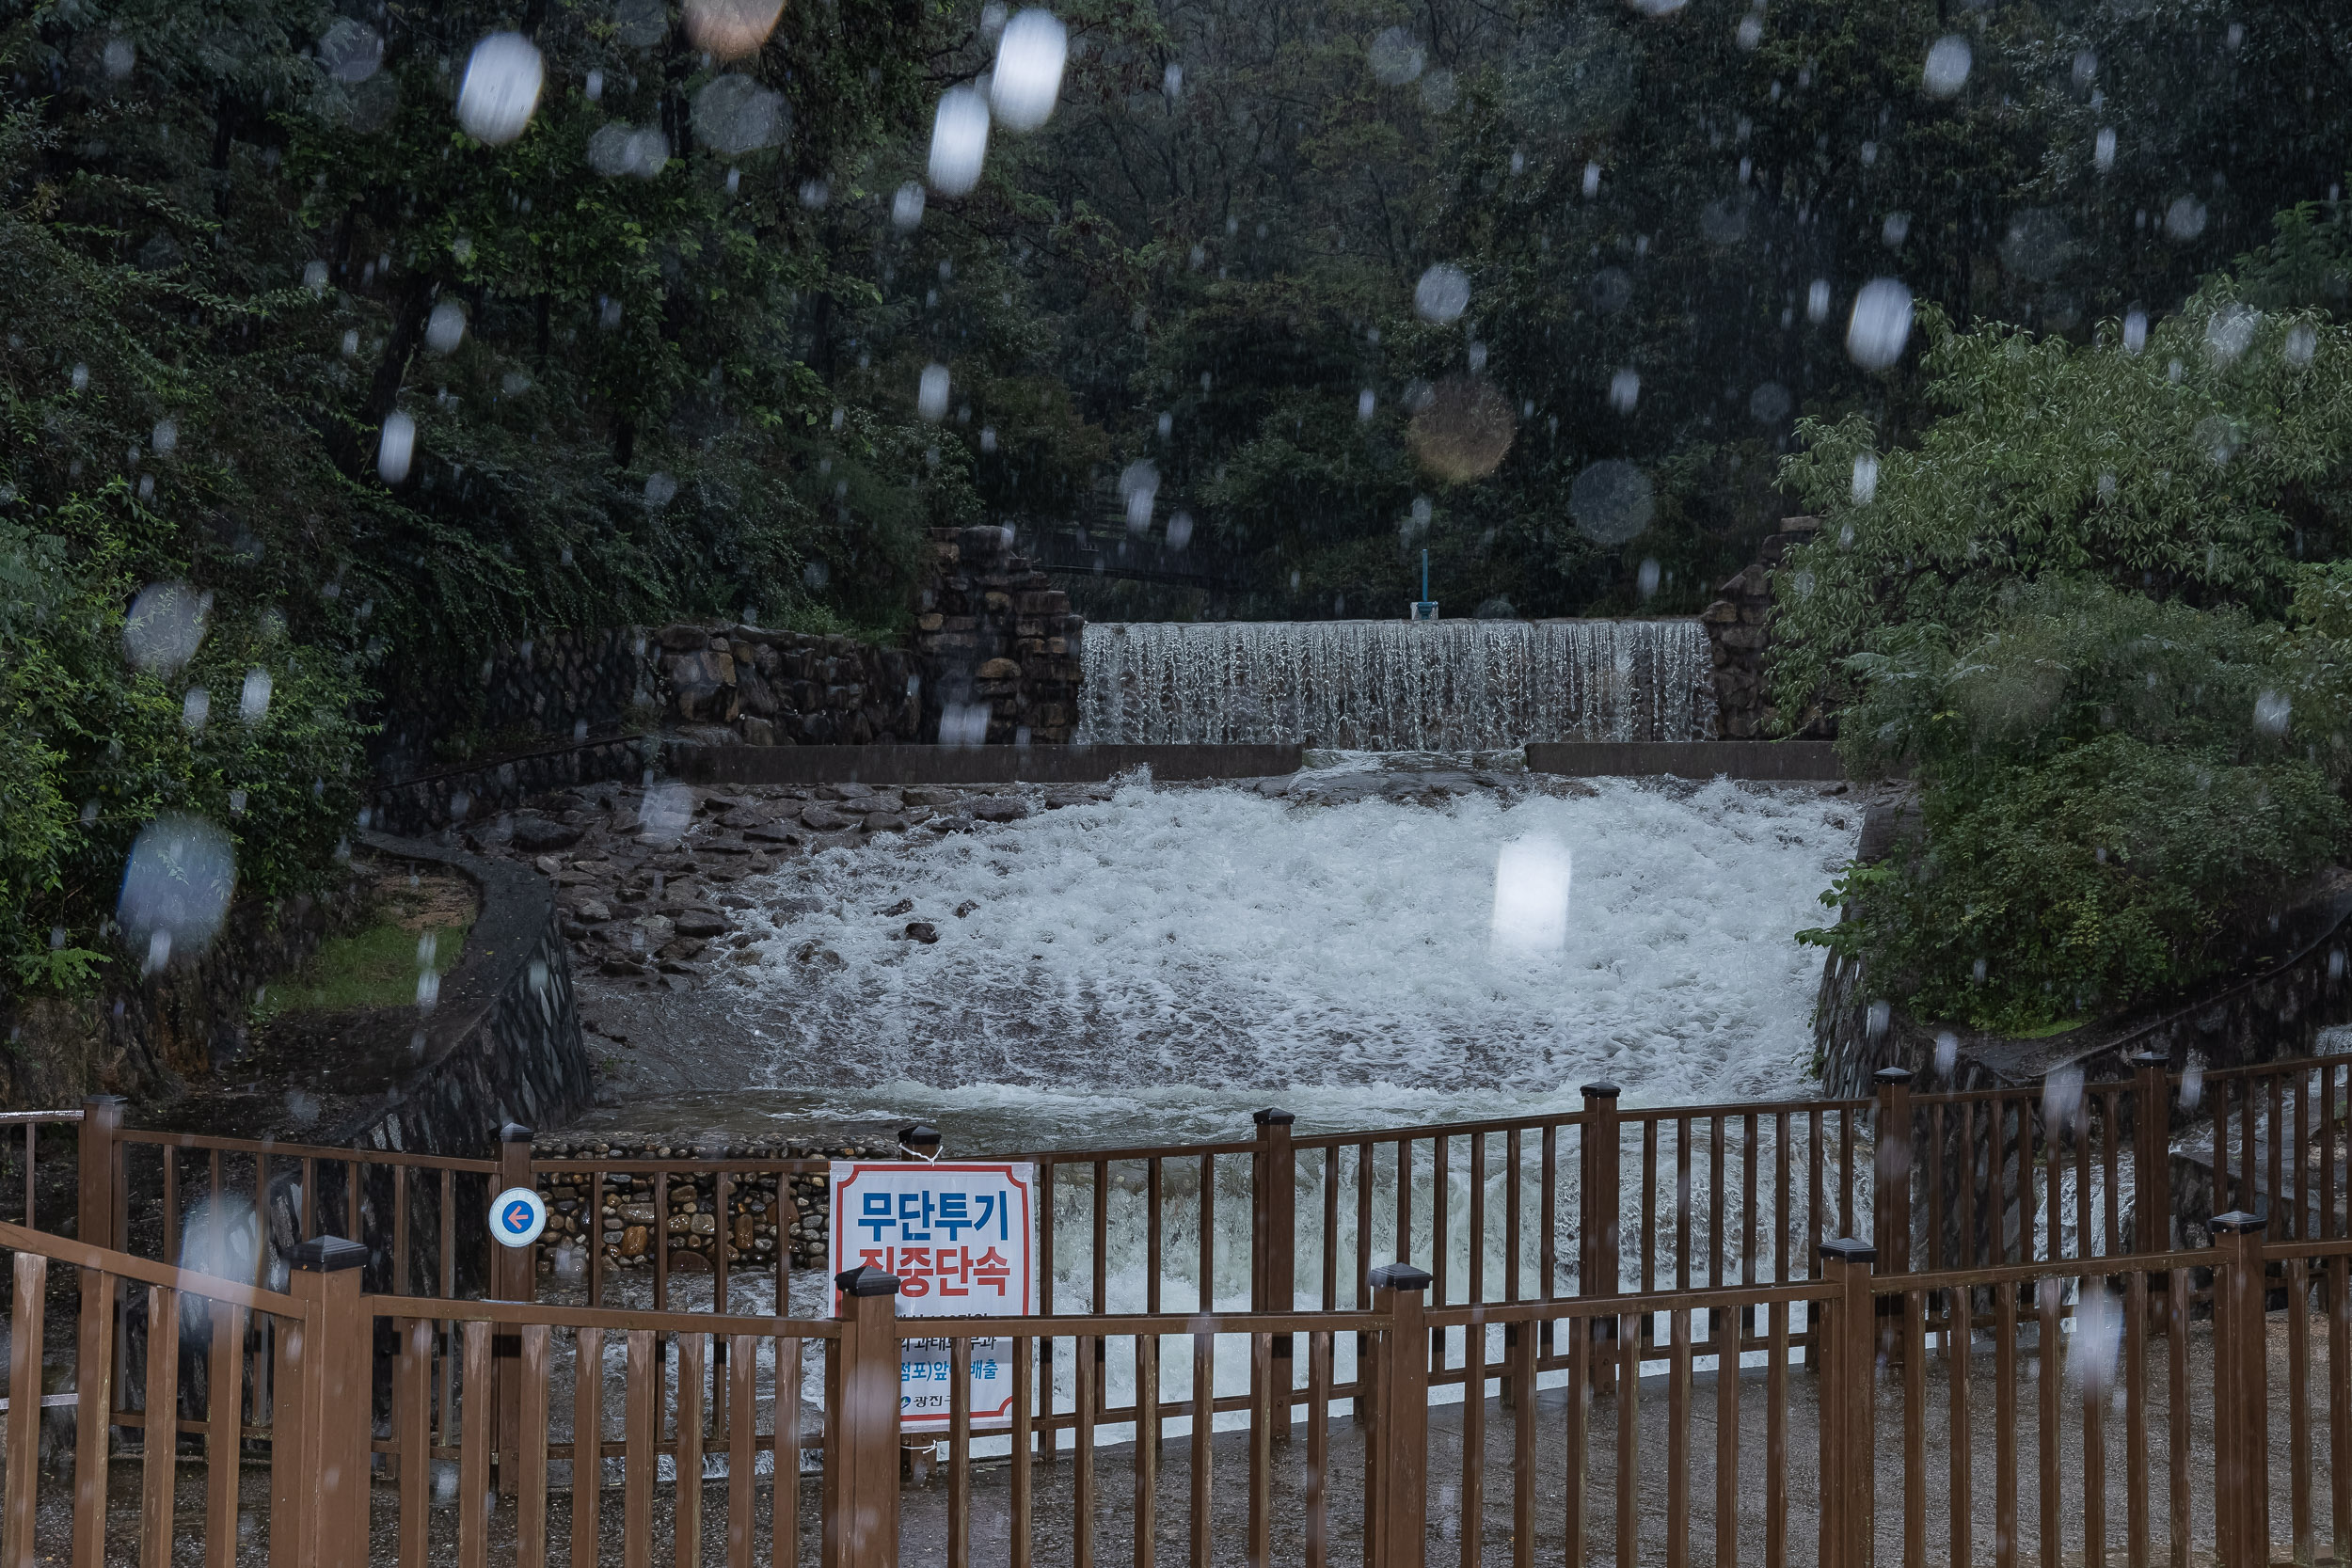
(536, 835)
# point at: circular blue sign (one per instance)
(517, 1217)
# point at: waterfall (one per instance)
(1438, 685)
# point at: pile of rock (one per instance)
(765, 1210)
(998, 644)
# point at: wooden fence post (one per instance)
(1397, 1502)
(321, 1499)
(95, 1194)
(1848, 1339)
(2241, 1428)
(1897, 1157)
(515, 1277)
(1274, 1233)
(1599, 1170)
(861, 1523)
(2152, 1153)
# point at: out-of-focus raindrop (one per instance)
(2135, 331)
(314, 276)
(1880, 325)
(1179, 531)
(1139, 490)
(616, 150)
(1865, 479)
(1896, 229)
(1611, 290)
(1946, 70)
(2036, 243)
(987, 438)
(964, 724)
(959, 140)
(2062, 1099)
(1365, 404)
(2103, 149)
(351, 343)
(2184, 219)
(166, 626)
(80, 377)
(1750, 32)
(446, 328)
(1817, 301)
(253, 702)
(351, 51)
(930, 393)
(2193, 1083)
(659, 490)
(1532, 877)
(2272, 712)
(1624, 389)
(731, 28)
(736, 115)
(1442, 295)
(501, 88)
(1656, 8)
(195, 709)
(906, 206)
(165, 437)
(1396, 58)
(1645, 576)
(1030, 55)
(1724, 220)
(2216, 437)
(176, 886)
(1612, 501)
(1440, 92)
(395, 446)
(2097, 1343)
(1464, 431)
(1769, 404)
(1946, 1054)
(2302, 342)
(664, 815)
(2230, 331)
(815, 193)
(642, 24)
(1592, 181)
(120, 58)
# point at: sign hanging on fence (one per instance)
(958, 1237)
(517, 1217)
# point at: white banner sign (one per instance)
(958, 1235)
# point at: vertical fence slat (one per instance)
(1203, 1418)
(159, 1462)
(1315, 1493)
(2005, 1419)
(93, 1403)
(530, 1464)
(1147, 1449)
(1024, 1398)
(784, 1523)
(2338, 1391)
(2136, 1420)
(1959, 1339)
(1259, 1547)
(743, 1444)
(1628, 1382)
(1082, 1351)
(1915, 1347)
(2094, 1419)
(587, 1446)
(2300, 1446)
(1520, 1355)
(2176, 1369)
(958, 1452)
(2045, 1295)
(412, 1415)
(1726, 1338)
(28, 1308)
(641, 1416)
(692, 1364)
(1776, 1441)
(1473, 1498)
(1578, 1439)
(473, 1455)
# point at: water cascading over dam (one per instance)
(1448, 686)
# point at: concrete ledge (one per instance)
(962, 765)
(1687, 759)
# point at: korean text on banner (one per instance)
(959, 1237)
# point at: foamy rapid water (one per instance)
(1154, 966)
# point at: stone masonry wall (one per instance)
(1000, 649)
(765, 687)
(1739, 628)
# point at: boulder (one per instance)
(536, 835)
(1001, 809)
(699, 923)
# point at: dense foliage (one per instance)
(2082, 609)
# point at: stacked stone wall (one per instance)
(999, 646)
(1738, 630)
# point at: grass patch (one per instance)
(374, 968)
(2049, 1031)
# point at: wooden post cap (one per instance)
(1891, 1075)
(866, 1280)
(1400, 1276)
(1601, 1091)
(326, 1254)
(1271, 1118)
(1845, 1249)
(2237, 1222)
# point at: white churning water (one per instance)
(1396, 685)
(1150, 967)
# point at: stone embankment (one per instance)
(1739, 630)
(998, 644)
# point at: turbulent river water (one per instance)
(1152, 967)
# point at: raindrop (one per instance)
(815, 193)
(1532, 877)
(1896, 229)
(1477, 358)
(1592, 181)
(120, 57)
(395, 446)
(1167, 424)
(253, 702)
(1173, 81)
(195, 709)
(176, 885)
(665, 811)
(1463, 431)
(351, 51)
(2184, 219)
(616, 150)
(2230, 331)
(959, 141)
(2272, 711)
(446, 328)
(1624, 389)
(1656, 8)
(1438, 91)
(501, 88)
(1769, 404)
(2095, 1349)
(1611, 501)
(1949, 60)
(2135, 331)
(1365, 404)
(351, 343)
(314, 276)
(1750, 32)
(81, 377)
(906, 207)
(2302, 342)
(2061, 1098)
(1610, 290)
(930, 393)
(1946, 1054)
(1865, 479)
(593, 85)
(659, 490)
(1724, 220)
(1138, 488)
(1817, 301)
(1880, 324)
(165, 437)
(1442, 295)
(731, 28)
(2103, 149)
(1645, 577)
(736, 115)
(1179, 531)
(166, 626)
(1029, 61)
(1396, 60)
(987, 438)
